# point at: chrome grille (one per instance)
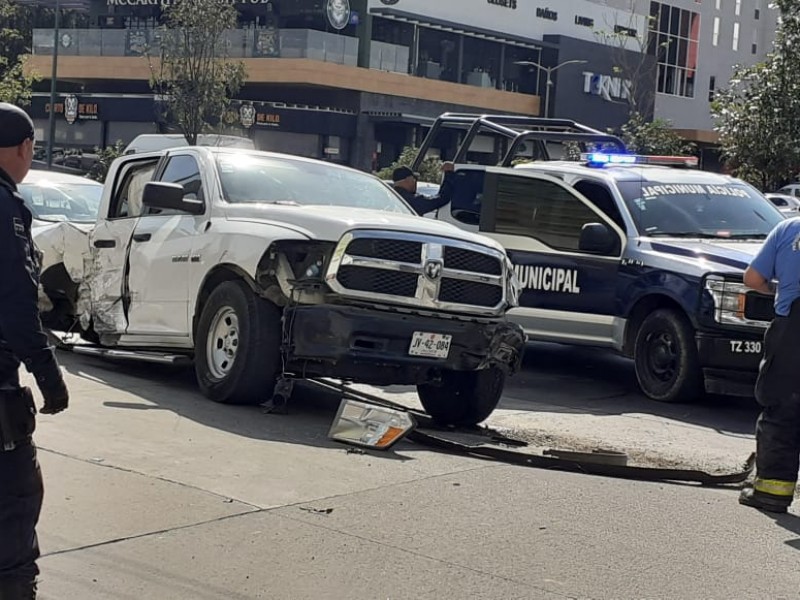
(468, 260)
(480, 294)
(385, 249)
(366, 279)
(420, 271)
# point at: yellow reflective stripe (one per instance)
(776, 487)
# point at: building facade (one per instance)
(354, 81)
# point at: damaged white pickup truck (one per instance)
(266, 268)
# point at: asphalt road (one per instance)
(155, 492)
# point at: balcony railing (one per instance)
(242, 43)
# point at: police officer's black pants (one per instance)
(21, 493)
(778, 427)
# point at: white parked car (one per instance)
(786, 203)
(793, 189)
(64, 209)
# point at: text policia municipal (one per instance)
(548, 279)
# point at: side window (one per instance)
(542, 210)
(779, 202)
(601, 197)
(183, 169)
(127, 202)
(467, 195)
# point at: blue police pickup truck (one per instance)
(643, 255)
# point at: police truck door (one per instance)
(566, 254)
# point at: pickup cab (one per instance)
(266, 268)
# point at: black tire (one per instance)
(464, 398)
(665, 355)
(250, 376)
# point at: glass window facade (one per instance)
(673, 41)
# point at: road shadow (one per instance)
(570, 379)
(171, 388)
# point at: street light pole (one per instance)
(549, 72)
(51, 139)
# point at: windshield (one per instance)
(699, 210)
(267, 179)
(74, 202)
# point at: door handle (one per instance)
(141, 237)
(105, 244)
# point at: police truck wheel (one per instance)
(665, 354)
(237, 349)
(464, 398)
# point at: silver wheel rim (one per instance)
(223, 342)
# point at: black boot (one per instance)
(16, 589)
(761, 501)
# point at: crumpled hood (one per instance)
(725, 253)
(332, 222)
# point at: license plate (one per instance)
(431, 345)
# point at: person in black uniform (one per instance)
(405, 184)
(21, 341)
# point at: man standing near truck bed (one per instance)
(778, 385)
(21, 341)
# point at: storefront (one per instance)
(89, 121)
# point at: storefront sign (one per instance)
(247, 115)
(268, 119)
(607, 87)
(512, 4)
(75, 110)
(546, 13)
(584, 21)
(338, 13)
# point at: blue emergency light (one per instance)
(599, 159)
(602, 158)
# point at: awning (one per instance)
(398, 117)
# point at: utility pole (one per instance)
(54, 75)
(549, 72)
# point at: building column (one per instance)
(364, 32)
(364, 145)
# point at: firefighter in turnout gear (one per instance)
(778, 385)
(21, 342)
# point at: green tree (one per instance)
(642, 136)
(430, 170)
(758, 115)
(194, 75)
(15, 40)
(105, 157)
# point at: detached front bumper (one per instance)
(730, 362)
(373, 346)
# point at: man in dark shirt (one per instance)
(21, 341)
(405, 184)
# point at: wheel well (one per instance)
(640, 310)
(217, 276)
(58, 285)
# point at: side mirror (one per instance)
(597, 238)
(170, 196)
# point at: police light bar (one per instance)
(605, 158)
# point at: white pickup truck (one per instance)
(266, 268)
